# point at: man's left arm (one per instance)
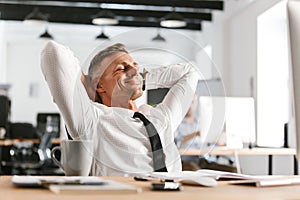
(182, 80)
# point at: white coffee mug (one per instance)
(76, 157)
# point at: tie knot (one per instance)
(142, 118)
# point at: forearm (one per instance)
(182, 80)
(168, 76)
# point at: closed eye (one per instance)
(121, 68)
(124, 66)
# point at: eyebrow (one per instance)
(125, 63)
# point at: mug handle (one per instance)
(53, 156)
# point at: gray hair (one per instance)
(95, 69)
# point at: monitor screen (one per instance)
(228, 120)
(240, 122)
(43, 118)
(212, 119)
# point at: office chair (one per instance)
(20, 149)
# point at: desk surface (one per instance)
(222, 191)
(245, 151)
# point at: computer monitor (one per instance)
(240, 122)
(229, 120)
(293, 12)
(212, 119)
(43, 118)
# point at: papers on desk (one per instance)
(215, 174)
(222, 175)
(74, 184)
(250, 180)
(111, 187)
(186, 177)
(208, 178)
(268, 181)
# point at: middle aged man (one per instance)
(103, 106)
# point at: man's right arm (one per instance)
(61, 69)
(85, 79)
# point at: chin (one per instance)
(137, 94)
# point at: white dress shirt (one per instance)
(121, 143)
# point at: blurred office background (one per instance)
(242, 44)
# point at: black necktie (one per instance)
(157, 150)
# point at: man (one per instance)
(103, 106)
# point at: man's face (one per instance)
(121, 78)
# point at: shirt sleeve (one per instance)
(61, 69)
(182, 81)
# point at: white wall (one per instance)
(2, 53)
(233, 35)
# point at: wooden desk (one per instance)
(270, 152)
(222, 191)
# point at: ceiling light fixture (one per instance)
(158, 37)
(105, 17)
(102, 35)
(36, 17)
(46, 35)
(173, 20)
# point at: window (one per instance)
(272, 76)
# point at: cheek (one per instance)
(117, 83)
(108, 84)
(120, 79)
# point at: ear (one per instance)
(96, 83)
(100, 89)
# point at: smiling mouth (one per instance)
(133, 81)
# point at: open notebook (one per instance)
(204, 176)
(185, 175)
(251, 180)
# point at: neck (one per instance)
(121, 103)
(132, 106)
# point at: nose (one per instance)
(132, 71)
